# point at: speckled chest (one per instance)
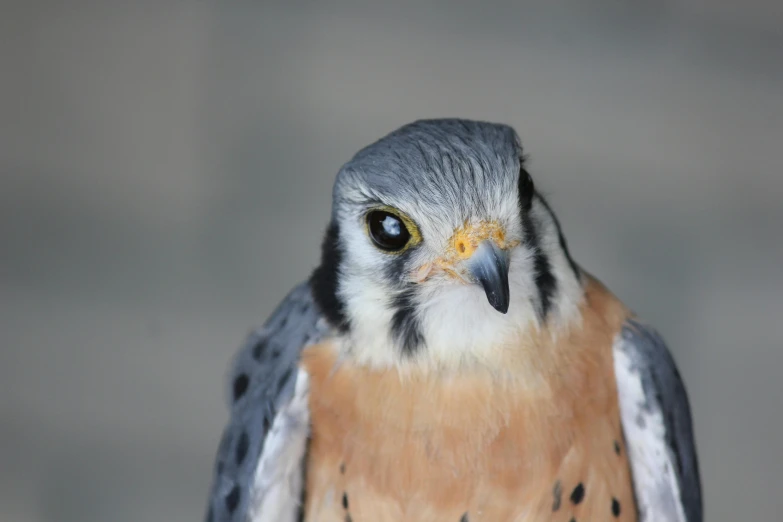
(465, 447)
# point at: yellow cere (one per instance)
(467, 238)
(463, 244)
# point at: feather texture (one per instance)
(258, 472)
(495, 444)
(657, 421)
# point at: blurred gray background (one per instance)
(166, 170)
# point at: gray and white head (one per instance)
(439, 248)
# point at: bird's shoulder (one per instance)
(268, 408)
(654, 411)
(657, 421)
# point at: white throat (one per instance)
(458, 326)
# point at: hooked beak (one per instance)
(489, 266)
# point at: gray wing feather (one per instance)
(657, 416)
(262, 382)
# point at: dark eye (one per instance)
(387, 231)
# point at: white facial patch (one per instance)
(456, 323)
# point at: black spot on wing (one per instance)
(617, 447)
(240, 386)
(232, 499)
(241, 449)
(259, 350)
(262, 383)
(325, 279)
(464, 517)
(578, 494)
(405, 324)
(268, 348)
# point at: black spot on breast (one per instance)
(464, 517)
(557, 493)
(345, 500)
(348, 518)
(578, 493)
(615, 507)
(241, 449)
(240, 386)
(617, 447)
(342, 468)
(232, 499)
(572, 520)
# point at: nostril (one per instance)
(461, 247)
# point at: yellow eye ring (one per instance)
(390, 230)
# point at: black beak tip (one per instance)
(490, 268)
(501, 307)
(498, 302)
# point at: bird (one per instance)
(448, 360)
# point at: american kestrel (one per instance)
(449, 361)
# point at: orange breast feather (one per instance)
(474, 445)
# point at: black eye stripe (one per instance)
(387, 230)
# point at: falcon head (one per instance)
(439, 248)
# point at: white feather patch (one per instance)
(456, 322)
(655, 483)
(278, 480)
